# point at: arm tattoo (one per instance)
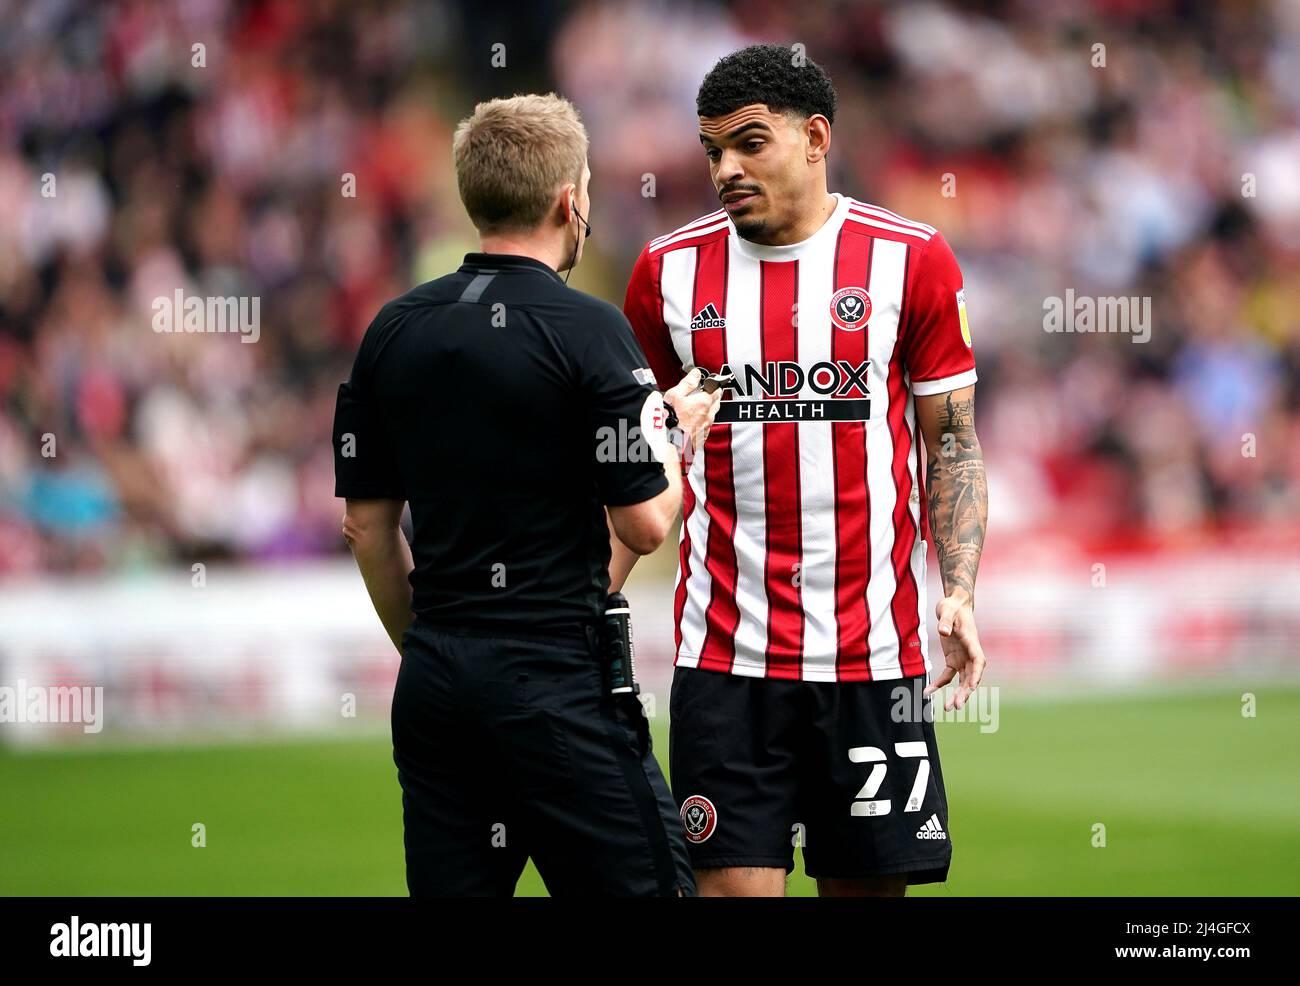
(958, 496)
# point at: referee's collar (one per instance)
(482, 262)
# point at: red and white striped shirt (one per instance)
(802, 553)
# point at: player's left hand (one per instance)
(962, 653)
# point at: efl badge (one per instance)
(961, 313)
(850, 308)
(699, 818)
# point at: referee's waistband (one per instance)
(581, 633)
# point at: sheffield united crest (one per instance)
(699, 818)
(850, 308)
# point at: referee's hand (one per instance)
(694, 408)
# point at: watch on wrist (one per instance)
(678, 438)
(670, 422)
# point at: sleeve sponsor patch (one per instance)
(961, 314)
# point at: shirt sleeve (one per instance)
(365, 465)
(623, 405)
(644, 309)
(936, 340)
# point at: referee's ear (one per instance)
(568, 203)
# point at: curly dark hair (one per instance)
(770, 74)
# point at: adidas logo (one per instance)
(932, 829)
(707, 318)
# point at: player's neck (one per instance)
(810, 219)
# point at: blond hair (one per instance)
(512, 156)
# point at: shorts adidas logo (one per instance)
(932, 829)
(707, 318)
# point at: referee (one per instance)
(510, 411)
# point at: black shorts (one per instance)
(509, 747)
(849, 771)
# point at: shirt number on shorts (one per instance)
(866, 803)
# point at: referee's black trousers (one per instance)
(509, 747)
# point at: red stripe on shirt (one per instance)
(709, 351)
(905, 604)
(852, 267)
(779, 342)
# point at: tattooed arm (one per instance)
(958, 512)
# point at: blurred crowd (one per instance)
(300, 153)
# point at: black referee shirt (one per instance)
(481, 399)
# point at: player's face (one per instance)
(759, 164)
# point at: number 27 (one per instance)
(865, 802)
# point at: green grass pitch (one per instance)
(1195, 799)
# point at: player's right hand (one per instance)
(694, 408)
